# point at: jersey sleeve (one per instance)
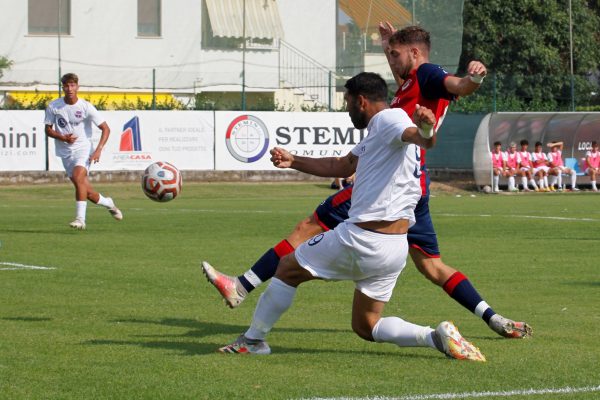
(395, 124)
(49, 117)
(94, 115)
(431, 79)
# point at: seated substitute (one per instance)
(592, 164)
(557, 167)
(539, 160)
(498, 165)
(512, 166)
(526, 167)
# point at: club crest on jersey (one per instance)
(78, 114)
(316, 239)
(61, 122)
(406, 84)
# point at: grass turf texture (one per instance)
(128, 314)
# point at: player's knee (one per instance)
(363, 329)
(290, 272)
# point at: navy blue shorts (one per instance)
(421, 235)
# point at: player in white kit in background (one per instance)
(69, 122)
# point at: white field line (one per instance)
(474, 395)
(516, 216)
(16, 266)
(234, 211)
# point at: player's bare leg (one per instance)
(235, 289)
(368, 323)
(84, 192)
(460, 289)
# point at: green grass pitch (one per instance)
(127, 314)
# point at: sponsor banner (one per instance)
(139, 138)
(243, 139)
(22, 141)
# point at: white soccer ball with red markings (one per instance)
(161, 181)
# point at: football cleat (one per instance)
(225, 284)
(78, 224)
(116, 213)
(243, 345)
(454, 345)
(509, 328)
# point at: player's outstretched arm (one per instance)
(326, 167)
(468, 84)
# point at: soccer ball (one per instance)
(161, 181)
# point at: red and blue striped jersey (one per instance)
(425, 86)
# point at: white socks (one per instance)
(511, 183)
(573, 179)
(496, 180)
(80, 208)
(533, 184)
(402, 333)
(105, 201)
(274, 301)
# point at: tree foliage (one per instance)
(5, 63)
(526, 46)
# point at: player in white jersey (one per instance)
(558, 168)
(370, 247)
(69, 122)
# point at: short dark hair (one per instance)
(524, 141)
(70, 77)
(411, 35)
(538, 144)
(497, 144)
(594, 143)
(368, 84)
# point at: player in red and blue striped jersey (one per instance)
(419, 82)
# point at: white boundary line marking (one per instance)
(517, 216)
(467, 395)
(17, 266)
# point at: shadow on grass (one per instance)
(27, 319)
(200, 329)
(195, 349)
(583, 283)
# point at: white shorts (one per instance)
(372, 260)
(77, 158)
(525, 169)
(542, 168)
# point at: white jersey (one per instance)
(72, 118)
(387, 184)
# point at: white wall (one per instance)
(104, 50)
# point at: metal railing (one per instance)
(299, 71)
